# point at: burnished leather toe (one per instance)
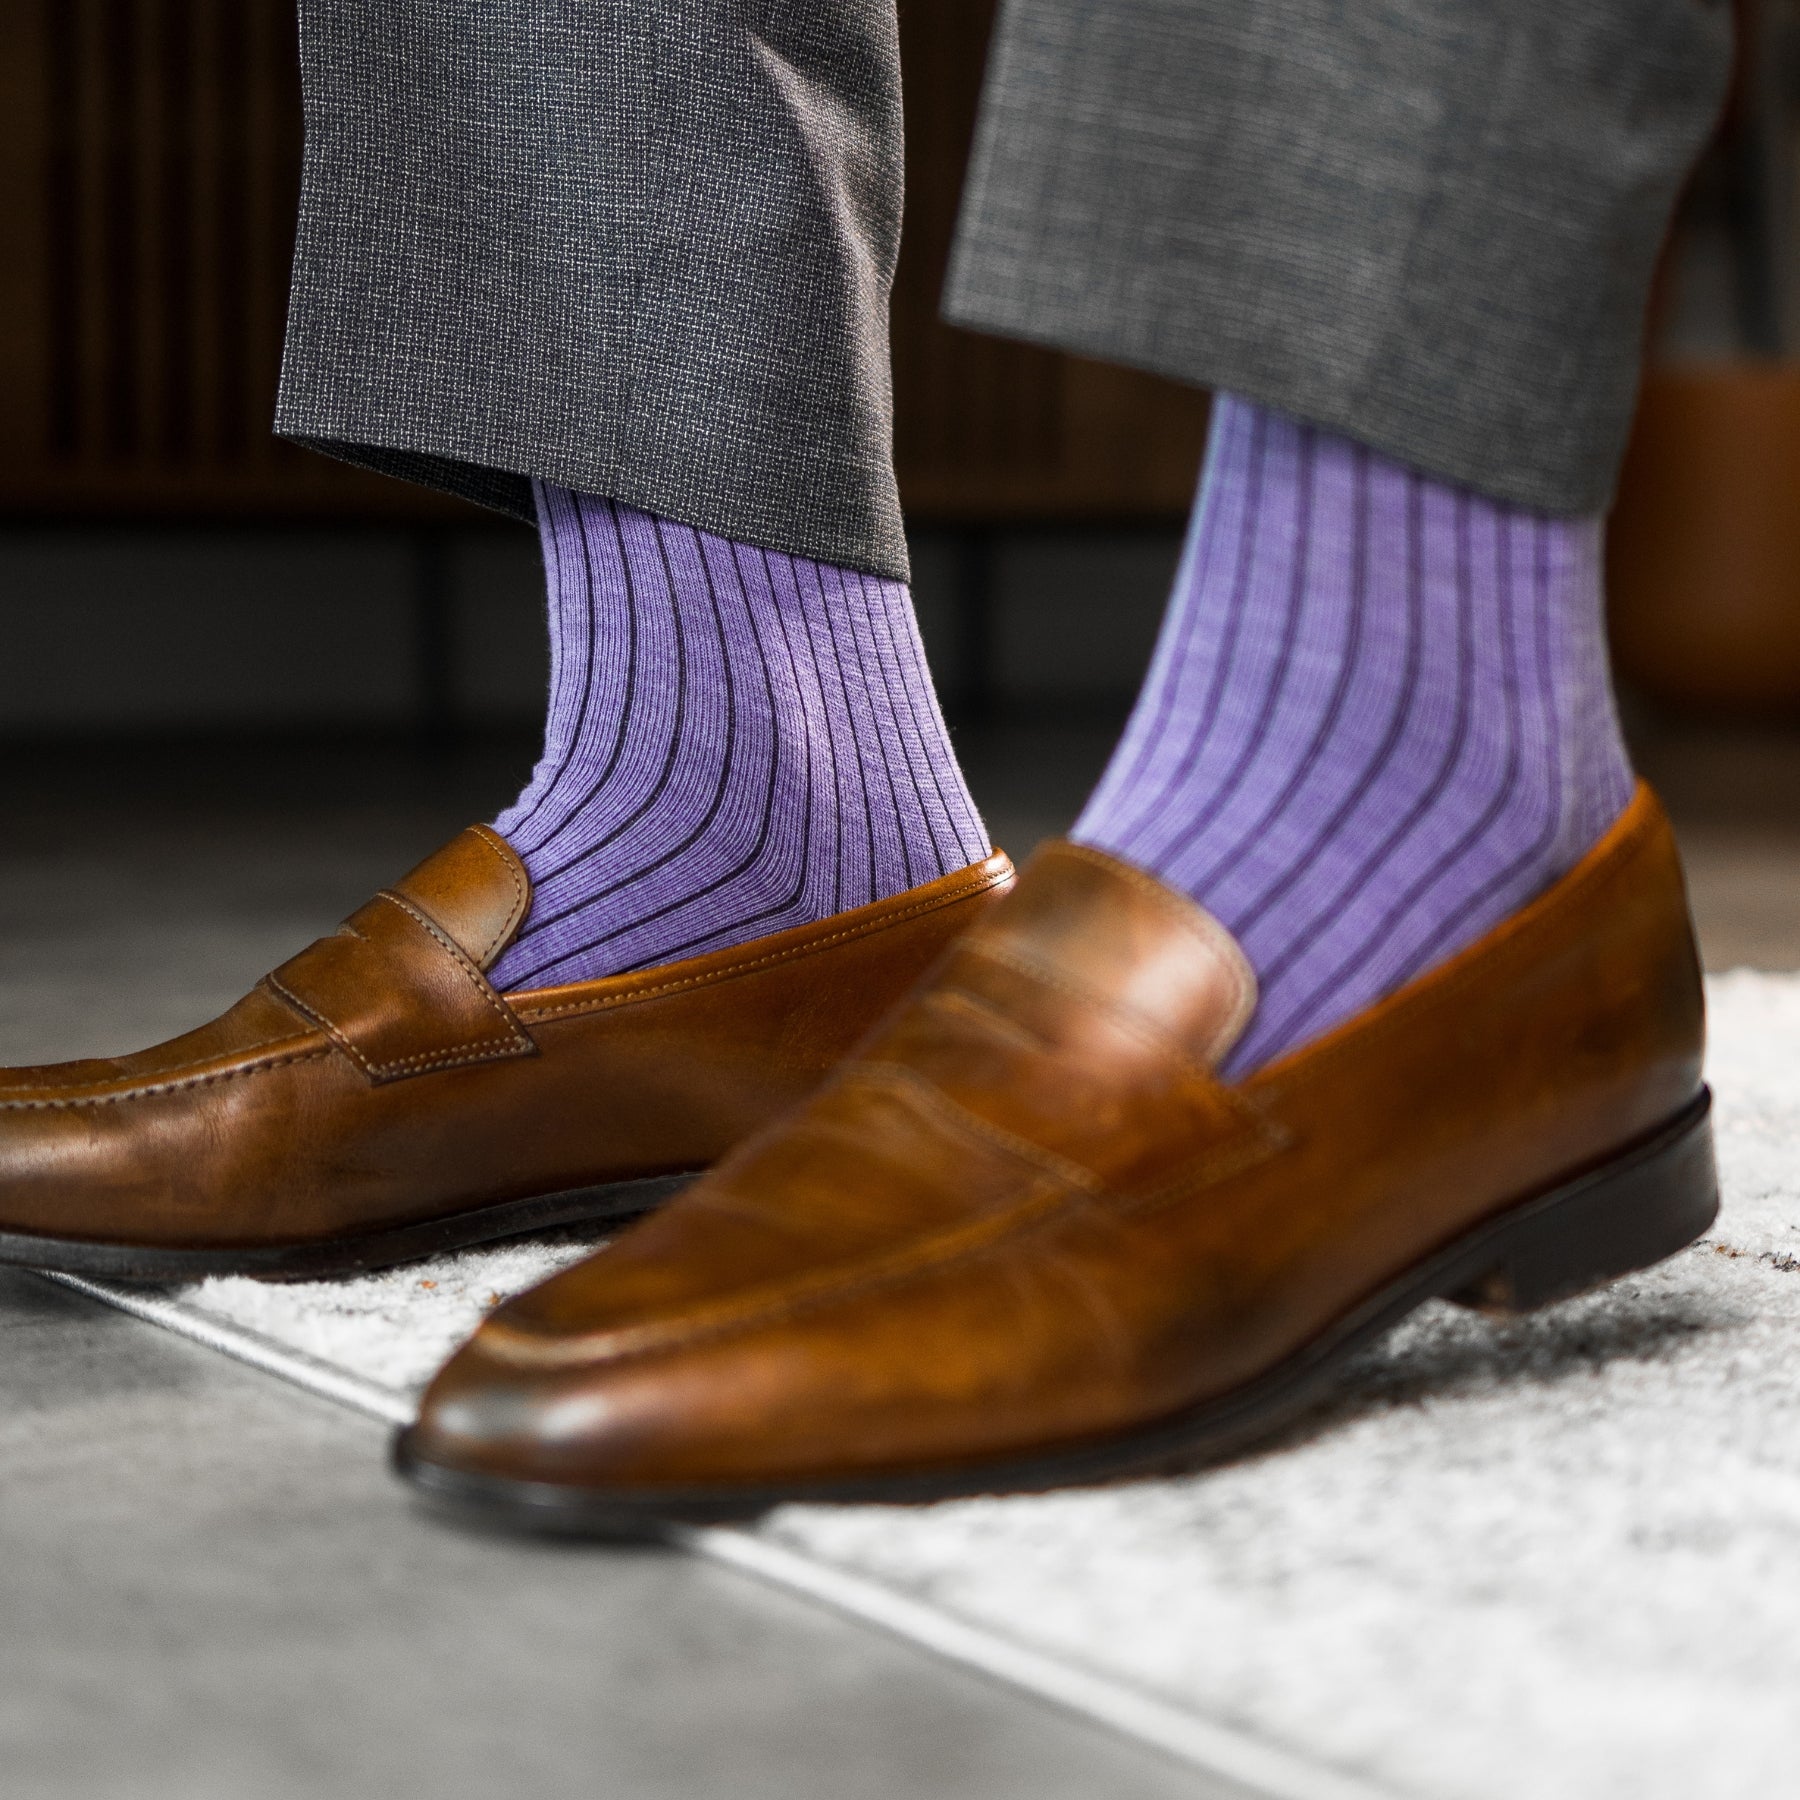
(1027, 1235)
(375, 1098)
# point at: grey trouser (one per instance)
(644, 247)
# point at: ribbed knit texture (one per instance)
(1379, 719)
(739, 742)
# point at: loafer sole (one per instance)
(620, 1201)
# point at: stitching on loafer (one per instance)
(169, 1087)
(533, 1014)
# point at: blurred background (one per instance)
(240, 685)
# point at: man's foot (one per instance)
(1028, 1237)
(376, 1098)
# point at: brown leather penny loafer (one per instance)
(376, 1099)
(1026, 1237)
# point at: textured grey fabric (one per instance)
(633, 247)
(1428, 224)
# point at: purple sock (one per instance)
(739, 741)
(1378, 720)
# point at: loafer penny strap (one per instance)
(399, 996)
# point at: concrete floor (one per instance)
(210, 1585)
(213, 1590)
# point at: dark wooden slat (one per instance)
(62, 245)
(176, 241)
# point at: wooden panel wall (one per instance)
(149, 169)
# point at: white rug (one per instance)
(1559, 1558)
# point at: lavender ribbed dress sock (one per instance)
(739, 741)
(1378, 720)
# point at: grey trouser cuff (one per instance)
(1427, 224)
(637, 248)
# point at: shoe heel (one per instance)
(1636, 1210)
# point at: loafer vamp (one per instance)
(378, 1080)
